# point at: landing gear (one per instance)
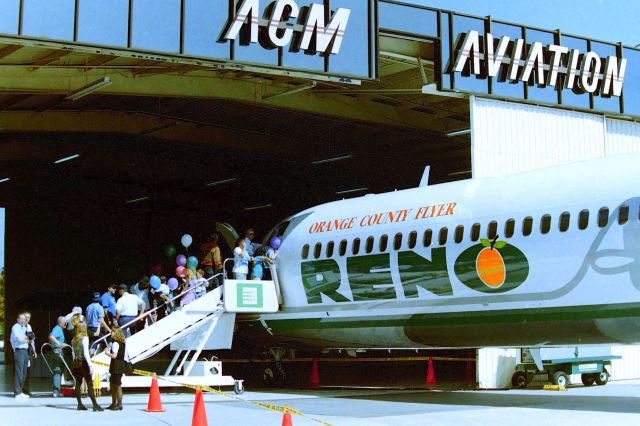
(588, 379)
(602, 378)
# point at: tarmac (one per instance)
(616, 403)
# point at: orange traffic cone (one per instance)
(199, 412)
(286, 419)
(315, 374)
(430, 380)
(154, 405)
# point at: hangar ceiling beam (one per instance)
(207, 85)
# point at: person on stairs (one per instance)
(81, 366)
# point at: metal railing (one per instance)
(151, 311)
(61, 356)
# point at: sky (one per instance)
(606, 20)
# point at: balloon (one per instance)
(170, 251)
(275, 242)
(172, 283)
(156, 269)
(181, 260)
(181, 271)
(154, 282)
(186, 240)
(192, 262)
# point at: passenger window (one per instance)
(475, 232)
(343, 248)
(442, 238)
(623, 215)
(527, 226)
(330, 245)
(565, 219)
(583, 219)
(459, 233)
(426, 240)
(369, 246)
(509, 228)
(317, 250)
(545, 224)
(603, 217)
(397, 241)
(305, 251)
(413, 237)
(383, 243)
(492, 230)
(355, 247)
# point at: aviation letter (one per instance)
(554, 66)
(535, 59)
(471, 43)
(494, 60)
(613, 73)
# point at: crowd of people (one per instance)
(119, 312)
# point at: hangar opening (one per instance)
(114, 145)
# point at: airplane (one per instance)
(548, 257)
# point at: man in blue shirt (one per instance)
(56, 339)
(95, 318)
(20, 344)
(108, 302)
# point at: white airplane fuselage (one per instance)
(547, 257)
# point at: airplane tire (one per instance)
(588, 379)
(602, 378)
(519, 380)
(560, 378)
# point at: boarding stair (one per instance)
(207, 323)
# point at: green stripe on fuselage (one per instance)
(574, 313)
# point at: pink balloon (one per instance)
(181, 271)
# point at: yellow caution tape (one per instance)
(276, 408)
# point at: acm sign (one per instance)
(283, 23)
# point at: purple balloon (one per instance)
(181, 260)
(275, 242)
(172, 283)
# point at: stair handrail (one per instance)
(150, 312)
(62, 348)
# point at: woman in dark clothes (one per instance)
(81, 367)
(116, 351)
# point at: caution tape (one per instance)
(271, 407)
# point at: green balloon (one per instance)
(192, 262)
(170, 251)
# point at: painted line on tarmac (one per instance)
(271, 407)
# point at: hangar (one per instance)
(123, 126)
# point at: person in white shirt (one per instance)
(117, 351)
(128, 307)
(20, 344)
(81, 366)
(241, 260)
(141, 289)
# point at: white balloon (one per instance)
(186, 240)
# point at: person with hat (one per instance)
(95, 319)
(128, 307)
(72, 319)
